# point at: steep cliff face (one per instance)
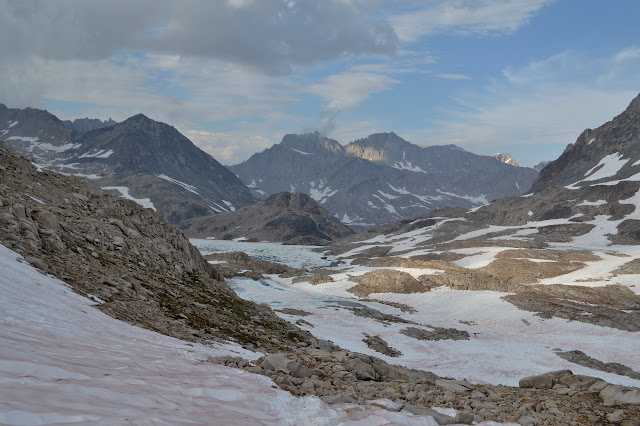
(138, 267)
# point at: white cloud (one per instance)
(465, 17)
(229, 147)
(454, 76)
(270, 36)
(350, 89)
(546, 102)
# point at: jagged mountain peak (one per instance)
(87, 124)
(634, 106)
(609, 152)
(310, 143)
(380, 178)
(147, 159)
(505, 158)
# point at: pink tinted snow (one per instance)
(63, 361)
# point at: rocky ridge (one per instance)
(283, 217)
(86, 124)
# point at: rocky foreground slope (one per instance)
(139, 267)
(283, 217)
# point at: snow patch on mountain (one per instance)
(124, 193)
(355, 220)
(103, 153)
(480, 199)
(301, 152)
(188, 187)
(34, 143)
(592, 203)
(321, 194)
(406, 165)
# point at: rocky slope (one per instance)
(608, 153)
(541, 165)
(382, 178)
(283, 217)
(137, 266)
(140, 158)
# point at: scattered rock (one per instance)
(379, 345)
(438, 333)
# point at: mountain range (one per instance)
(371, 181)
(142, 159)
(381, 178)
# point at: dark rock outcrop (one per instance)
(284, 217)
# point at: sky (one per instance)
(519, 76)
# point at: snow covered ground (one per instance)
(64, 361)
(506, 343)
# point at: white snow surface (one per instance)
(103, 153)
(506, 343)
(406, 165)
(480, 199)
(188, 187)
(609, 166)
(301, 152)
(320, 194)
(355, 220)
(44, 146)
(124, 191)
(592, 203)
(63, 361)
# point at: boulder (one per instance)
(618, 395)
(274, 361)
(544, 381)
(360, 369)
(455, 386)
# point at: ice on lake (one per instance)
(293, 256)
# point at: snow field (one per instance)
(63, 361)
